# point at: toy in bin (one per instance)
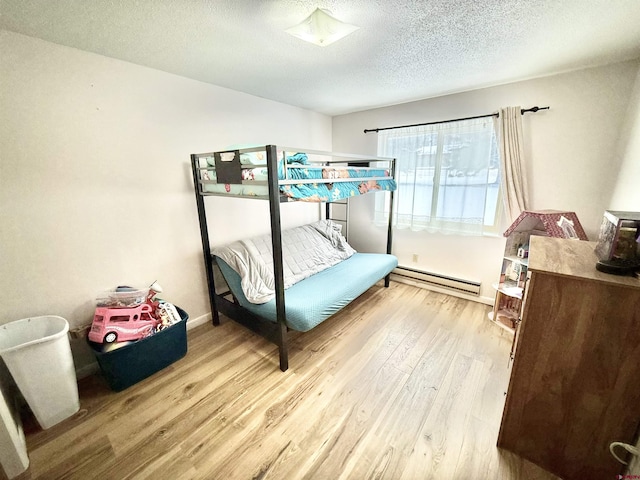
(120, 324)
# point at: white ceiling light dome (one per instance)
(321, 28)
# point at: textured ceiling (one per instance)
(404, 50)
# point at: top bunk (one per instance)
(297, 174)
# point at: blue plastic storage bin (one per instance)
(132, 363)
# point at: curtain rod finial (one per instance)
(532, 109)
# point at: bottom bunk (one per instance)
(323, 274)
(313, 300)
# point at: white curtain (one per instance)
(514, 180)
(448, 176)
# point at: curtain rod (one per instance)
(522, 112)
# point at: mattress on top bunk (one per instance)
(313, 300)
(314, 192)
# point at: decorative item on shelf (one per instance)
(567, 228)
(523, 251)
(618, 247)
(515, 263)
(513, 273)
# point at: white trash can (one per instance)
(37, 353)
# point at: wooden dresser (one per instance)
(575, 380)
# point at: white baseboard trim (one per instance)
(196, 322)
(446, 291)
(438, 280)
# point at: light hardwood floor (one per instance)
(402, 384)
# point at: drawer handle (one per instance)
(627, 447)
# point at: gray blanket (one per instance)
(306, 250)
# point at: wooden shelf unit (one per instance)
(508, 301)
(575, 380)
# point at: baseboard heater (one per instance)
(442, 281)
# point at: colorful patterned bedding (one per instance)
(365, 180)
(334, 182)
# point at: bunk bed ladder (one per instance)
(331, 215)
(390, 226)
(339, 215)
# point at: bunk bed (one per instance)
(291, 300)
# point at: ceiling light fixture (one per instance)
(321, 28)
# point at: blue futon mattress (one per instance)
(319, 296)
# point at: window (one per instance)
(448, 177)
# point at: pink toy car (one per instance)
(122, 324)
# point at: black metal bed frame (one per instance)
(274, 332)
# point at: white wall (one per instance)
(626, 194)
(571, 152)
(95, 183)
